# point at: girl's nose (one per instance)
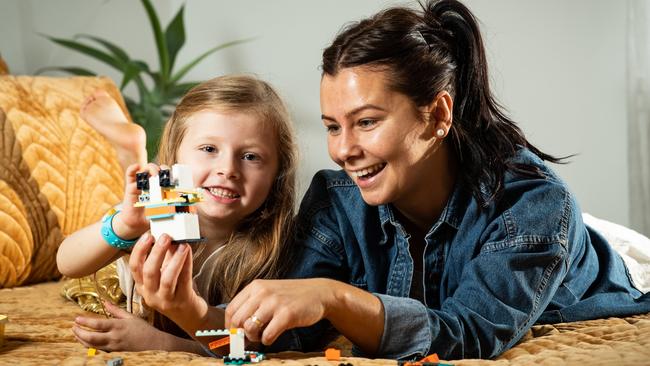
(228, 168)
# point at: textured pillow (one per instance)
(57, 174)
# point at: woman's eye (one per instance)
(208, 149)
(367, 122)
(250, 156)
(332, 129)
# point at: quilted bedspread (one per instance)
(40, 321)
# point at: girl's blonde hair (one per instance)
(259, 246)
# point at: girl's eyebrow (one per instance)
(355, 111)
(241, 145)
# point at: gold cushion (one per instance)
(57, 174)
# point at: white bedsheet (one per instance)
(633, 247)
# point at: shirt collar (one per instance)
(451, 215)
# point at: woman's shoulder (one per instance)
(333, 196)
(535, 206)
(329, 188)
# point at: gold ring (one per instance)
(257, 321)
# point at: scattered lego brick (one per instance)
(117, 361)
(332, 354)
(91, 352)
(431, 358)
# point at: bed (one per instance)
(57, 174)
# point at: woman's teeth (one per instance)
(223, 193)
(365, 173)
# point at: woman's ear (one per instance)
(440, 113)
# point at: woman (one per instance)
(445, 231)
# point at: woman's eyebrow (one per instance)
(355, 111)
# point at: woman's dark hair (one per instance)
(423, 53)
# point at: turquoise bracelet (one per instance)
(109, 235)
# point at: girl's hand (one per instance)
(163, 277)
(131, 222)
(123, 332)
(267, 308)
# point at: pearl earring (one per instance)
(440, 133)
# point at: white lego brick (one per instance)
(155, 192)
(182, 176)
(179, 226)
(237, 343)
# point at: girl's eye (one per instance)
(367, 122)
(208, 149)
(251, 157)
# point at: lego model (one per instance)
(3, 321)
(169, 203)
(237, 355)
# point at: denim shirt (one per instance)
(489, 274)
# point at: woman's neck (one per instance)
(423, 206)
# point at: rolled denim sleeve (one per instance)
(502, 292)
(407, 330)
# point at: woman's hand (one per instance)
(123, 332)
(163, 277)
(267, 308)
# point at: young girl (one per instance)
(235, 134)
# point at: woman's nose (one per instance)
(347, 146)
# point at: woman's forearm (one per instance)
(358, 315)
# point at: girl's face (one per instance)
(234, 159)
(377, 136)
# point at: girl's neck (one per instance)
(215, 234)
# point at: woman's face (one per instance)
(377, 136)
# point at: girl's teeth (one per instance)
(223, 193)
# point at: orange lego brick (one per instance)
(332, 354)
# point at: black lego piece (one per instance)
(142, 181)
(165, 178)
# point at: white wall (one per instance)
(558, 66)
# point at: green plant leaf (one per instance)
(179, 75)
(119, 53)
(161, 45)
(130, 72)
(175, 37)
(89, 51)
(70, 70)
